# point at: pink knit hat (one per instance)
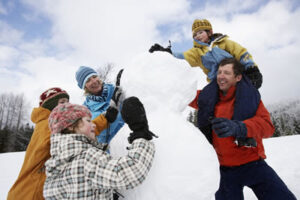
(64, 115)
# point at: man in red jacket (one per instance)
(234, 120)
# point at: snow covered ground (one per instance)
(185, 165)
(283, 155)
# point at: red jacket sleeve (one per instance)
(194, 103)
(260, 126)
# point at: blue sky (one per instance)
(19, 16)
(45, 40)
(34, 25)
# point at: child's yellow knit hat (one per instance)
(201, 24)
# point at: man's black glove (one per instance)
(225, 128)
(111, 114)
(158, 47)
(255, 76)
(133, 113)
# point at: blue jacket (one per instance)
(98, 105)
(208, 56)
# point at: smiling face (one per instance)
(202, 36)
(87, 127)
(93, 85)
(226, 77)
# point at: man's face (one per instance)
(226, 77)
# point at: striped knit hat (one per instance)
(49, 98)
(64, 115)
(83, 74)
(201, 24)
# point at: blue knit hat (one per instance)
(83, 74)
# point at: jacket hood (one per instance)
(64, 148)
(38, 114)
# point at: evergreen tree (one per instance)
(286, 118)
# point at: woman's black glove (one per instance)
(133, 113)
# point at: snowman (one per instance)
(185, 165)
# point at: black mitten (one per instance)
(255, 76)
(111, 114)
(158, 47)
(133, 113)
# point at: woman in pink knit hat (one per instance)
(29, 184)
(80, 167)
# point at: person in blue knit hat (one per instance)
(98, 97)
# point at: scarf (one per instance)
(246, 94)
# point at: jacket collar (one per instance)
(217, 37)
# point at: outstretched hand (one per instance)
(158, 47)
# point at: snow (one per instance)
(185, 164)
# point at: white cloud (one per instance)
(9, 35)
(106, 31)
(89, 33)
(270, 34)
(97, 32)
(6, 56)
(46, 72)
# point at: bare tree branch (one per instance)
(104, 71)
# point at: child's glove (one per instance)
(111, 114)
(226, 128)
(158, 47)
(255, 76)
(133, 113)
